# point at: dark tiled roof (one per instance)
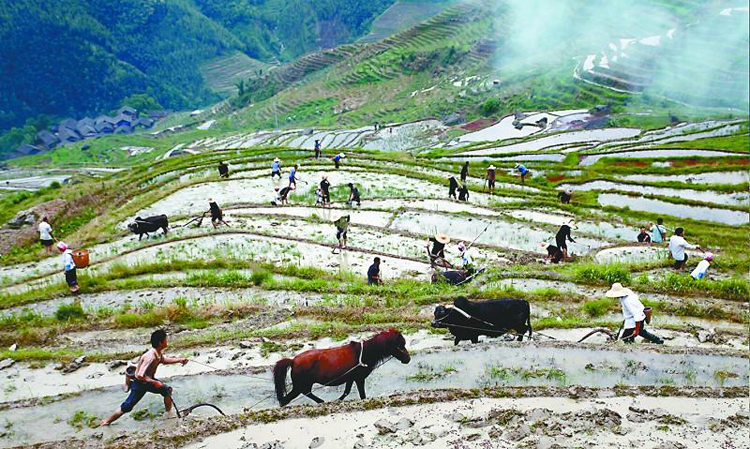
(69, 135)
(47, 138)
(127, 110)
(27, 149)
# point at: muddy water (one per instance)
(468, 366)
(518, 158)
(446, 206)
(193, 200)
(723, 131)
(730, 217)
(653, 154)
(500, 233)
(589, 136)
(164, 296)
(505, 129)
(722, 177)
(707, 196)
(371, 218)
(600, 229)
(209, 246)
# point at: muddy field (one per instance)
(236, 299)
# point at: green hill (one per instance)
(76, 57)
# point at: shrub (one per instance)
(609, 274)
(597, 308)
(134, 320)
(72, 311)
(490, 106)
(260, 277)
(81, 419)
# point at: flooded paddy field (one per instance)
(706, 196)
(486, 365)
(272, 285)
(725, 216)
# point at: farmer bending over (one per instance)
(217, 216)
(337, 159)
(452, 186)
(437, 253)
(643, 236)
(463, 193)
(562, 235)
(342, 225)
(633, 313)
(145, 377)
(523, 170)
(223, 170)
(353, 195)
(565, 196)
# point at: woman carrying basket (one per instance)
(69, 267)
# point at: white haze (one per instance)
(705, 61)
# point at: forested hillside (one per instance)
(75, 57)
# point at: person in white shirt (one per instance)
(677, 246)
(633, 313)
(700, 271)
(69, 266)
(45, 235)
(467, 263)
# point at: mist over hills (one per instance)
(349, 63)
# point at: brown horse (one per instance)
(335, 366)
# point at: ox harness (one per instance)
(493, 327)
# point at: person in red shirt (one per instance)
(145, 377)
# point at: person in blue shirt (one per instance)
(373, 273)
(317, 148)
(293, 176)
(276, 168)
(658, 231)
(523, 170)
(337, 159)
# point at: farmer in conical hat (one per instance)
(565, 196)
(337, 159)
(437, 253)
(490, 177)
(634, 314)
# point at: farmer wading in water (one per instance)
(145, 380)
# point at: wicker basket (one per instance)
(81, 258)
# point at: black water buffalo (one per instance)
(151, 224)
(467, 320)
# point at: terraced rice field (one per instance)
(238, 298)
